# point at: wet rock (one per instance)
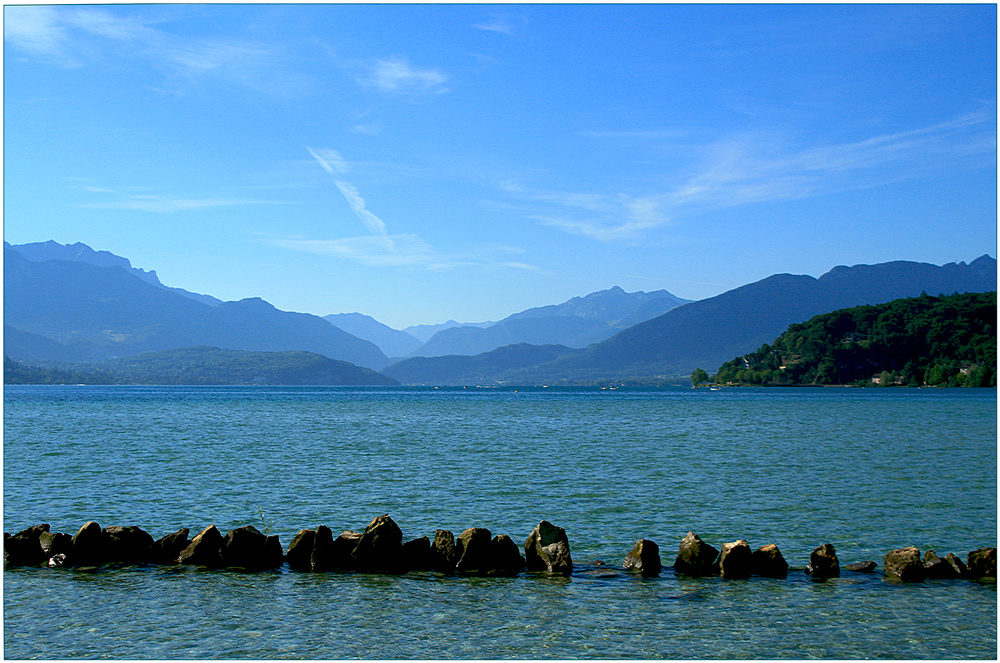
(644, 558)
(443, 556)
(473, 551)
(941, 568)
(982, 563)
(273, 555)
(695, 557)
(768, 561)
(380, 546)
(89, 546)
(167, 549)
(300, 550)
(205, 549)
(416, 555)
(823, 562)
(958, 565)
(55, 543)
(127, 545)
(24, 548)
(904, 564)
(322, 557)
(862, 567)
(247, 548)
(547, 549)
(505, 555)
(735, 560)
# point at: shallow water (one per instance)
(866, 470)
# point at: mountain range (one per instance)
(69, 303)
(709, 332)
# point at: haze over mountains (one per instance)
(72, 304)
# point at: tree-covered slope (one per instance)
(203, 366)
(942, 341)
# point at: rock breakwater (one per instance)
(380, 548)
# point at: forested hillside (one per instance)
(947, 341)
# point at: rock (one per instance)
(735, 560)
(247, 548)
(695, 557)
(862, 567)
(644, 558)
(89, 546)
(547, 549)
(982, 563)
(58, 560)
(166, 550)
(55, 543)
(322, 558)
(904, 564)
(768, 561)
(443, 551)
(300, 550)
(273, 555)
(823, 562)
(205, 549)
(343, 546)
(416, 555)
(961, 571)
(127, 545)
(473, 551)
(25, 548)
(380, 547)
(505, 555)
(938, 568)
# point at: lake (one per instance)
(867, 470)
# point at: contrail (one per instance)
(334, 164)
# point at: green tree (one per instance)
(699, 376)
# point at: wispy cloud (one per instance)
(396, 74)
(505, 24)
(164, 204)
(764, 167)
(73, 36)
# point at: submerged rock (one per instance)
(862, 567)
(695, 557)
(644, 558)
(904, 564)
(768, 561)
(547, 549)
(823, 562)
(735, 560)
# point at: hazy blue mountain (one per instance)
(50, 250)
(423, 333)
(101, 312)
(488, 368)
(392, 342)
(575, 323)
(707, 333)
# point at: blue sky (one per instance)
(424, 162)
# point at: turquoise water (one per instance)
(866, 470)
